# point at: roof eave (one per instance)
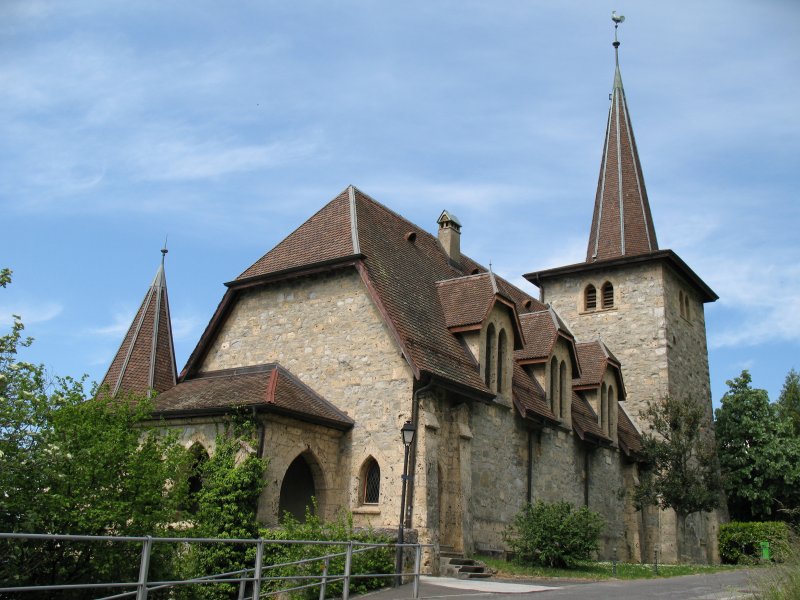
(668, 256)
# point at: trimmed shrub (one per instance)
(553, 534)
(740, 543)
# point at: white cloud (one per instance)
(118, 327)
(30, 313)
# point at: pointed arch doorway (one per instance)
(301, 484)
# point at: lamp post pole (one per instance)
(408, 437)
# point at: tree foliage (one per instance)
(232, 480)
(554, 534)
(74, 461)
(682, 471)
(77, 463)
(759, 453)
(789, 400)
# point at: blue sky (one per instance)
(225, 125)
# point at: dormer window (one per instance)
(608, 295)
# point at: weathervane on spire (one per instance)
(617, 20)
(164, 250)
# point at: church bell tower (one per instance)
(643, 302)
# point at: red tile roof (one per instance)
(146, 359)
(269, 388)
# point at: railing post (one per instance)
(417, 565)
(257, 572)
(348, 561)
(323, 588)
(144, 567)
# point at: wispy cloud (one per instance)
(30, 312)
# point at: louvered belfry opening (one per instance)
(608, 295)
(591, 298)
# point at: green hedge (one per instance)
(740, 543)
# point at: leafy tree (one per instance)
(74, 462)
(789, 400)
(681, 470)
(758, 451)
(232, 480)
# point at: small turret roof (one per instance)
(145, 360)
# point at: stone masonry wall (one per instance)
(634, 330)
(326, 330)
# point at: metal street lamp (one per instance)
(408, 430)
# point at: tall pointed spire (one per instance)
(146, 359)
(622, 224)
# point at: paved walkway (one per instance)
(728, 585)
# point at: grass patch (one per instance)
(599, 570)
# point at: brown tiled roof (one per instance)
(466, 300)
(630, 440)
(541, 330)
(400, 271)
(269, 387)
(529, 397)
(323, 237)
(622, 224)
(584, 420)
(540, 333)
(141, 365)
(595, 358)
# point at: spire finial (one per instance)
(164, 250)
(617, 20)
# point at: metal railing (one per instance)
(251, 580)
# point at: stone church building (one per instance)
(360, 320)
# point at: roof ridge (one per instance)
(461, 278)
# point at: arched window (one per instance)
(199, 457)
(608, 295)
(489, 358)
(590, 298)
(502, 341)
(603, 408)
(371, 477)
(553, 384)
(607, 416)
(562, 385)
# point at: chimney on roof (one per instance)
(450, 235)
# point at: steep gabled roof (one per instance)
(467, 302)
(595, 358)
(529, 397)
(146, 358)
(541, 330)
(622, 224)
(584, 421)
(400, 265)
(267, 388)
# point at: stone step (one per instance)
(483, 575)
(459, 561)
